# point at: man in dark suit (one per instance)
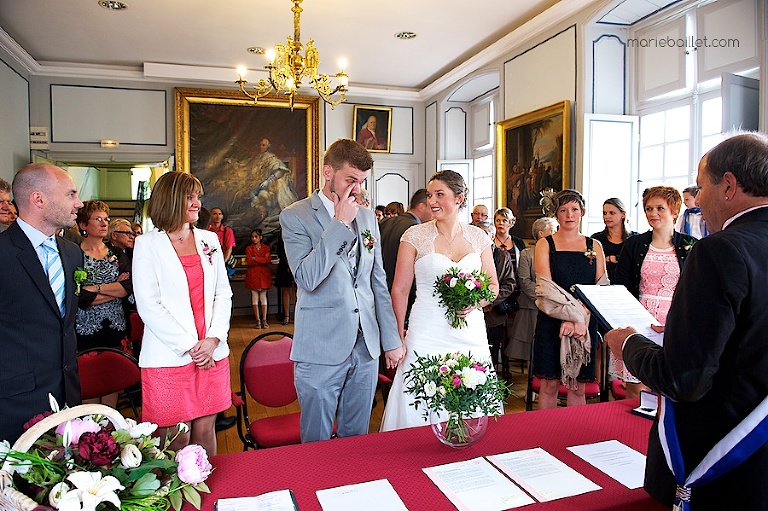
(713, 367)
(393, 228)
(37, 328)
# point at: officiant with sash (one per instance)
(712, 371)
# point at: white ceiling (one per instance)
(215, 34)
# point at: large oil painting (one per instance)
(533, 158)
(253, 159)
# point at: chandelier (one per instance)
(287, 69)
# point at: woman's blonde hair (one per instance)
(168, 204)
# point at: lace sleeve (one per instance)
(477, 237)
(422, 237)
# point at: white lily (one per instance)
(91, 490)
(54, 404)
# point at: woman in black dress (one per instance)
(615, 233)
(284, 279)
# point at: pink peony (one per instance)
(447, 278)
(77, 427)
(456, 380)
(443, 368)
(478, 367)
(194, 466)
(478, 284)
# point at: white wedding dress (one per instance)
(429, 332)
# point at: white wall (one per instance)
(14, 121)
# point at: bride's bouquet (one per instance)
(458, 289)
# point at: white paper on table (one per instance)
(281, 500)
(617, 460)
(376, 495)
(475, 485)
(620, 309)
(542, 475)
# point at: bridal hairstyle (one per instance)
(168, 204)
(454, 181)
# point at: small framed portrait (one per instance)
(372, 127)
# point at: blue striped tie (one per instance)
(55, 272)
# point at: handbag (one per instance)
(508, 305)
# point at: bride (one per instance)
(427, 251)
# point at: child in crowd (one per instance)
(690, 221)
(258, 278)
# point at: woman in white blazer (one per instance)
(184, 299)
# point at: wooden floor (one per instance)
(242, 332)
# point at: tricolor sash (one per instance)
(738, 445)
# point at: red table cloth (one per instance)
(399, 457)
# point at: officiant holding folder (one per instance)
(712, 370)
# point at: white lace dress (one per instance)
(429, 332)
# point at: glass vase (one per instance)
(456, 430)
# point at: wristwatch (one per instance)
(98, 288)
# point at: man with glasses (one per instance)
(479, 214)
(6, 214)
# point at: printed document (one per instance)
(376, 495)
(476, 485)
(617, 460)
(542, 475)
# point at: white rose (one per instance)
(57, 493)
(430, 388)
(453, 282)
(469, 284)
(138, 430)
(130, 457)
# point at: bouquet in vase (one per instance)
(89, 464)
(458, 290)
(458, 384)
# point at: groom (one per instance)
(343, 311)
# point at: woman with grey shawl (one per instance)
(566, 334)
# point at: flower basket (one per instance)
(89, 457)
(12, 499)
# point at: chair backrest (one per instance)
(137, 327)
(104, 371)
(266, 370)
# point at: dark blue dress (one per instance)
(568, 268)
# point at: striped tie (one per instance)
(55, 272)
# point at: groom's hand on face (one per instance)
(344, 206)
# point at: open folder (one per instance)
(615, 307)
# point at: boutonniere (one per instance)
(112, 259)
(590, 254)
(208, 251)
(81, 278)
(688, 245)
(368, 240)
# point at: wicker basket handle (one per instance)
(30, 436)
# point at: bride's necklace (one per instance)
(450, 242)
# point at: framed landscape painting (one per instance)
(253, 159)
(533, 157)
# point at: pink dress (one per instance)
(658, 278)
(179, 394)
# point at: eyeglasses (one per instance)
(127, 233)
(101, 219)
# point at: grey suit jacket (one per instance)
(333, 301)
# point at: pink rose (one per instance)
(77, 427)
(478, 367)
(194, 466)
(456, 381)
(478, 284)
(443, 368)
(447, 278)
